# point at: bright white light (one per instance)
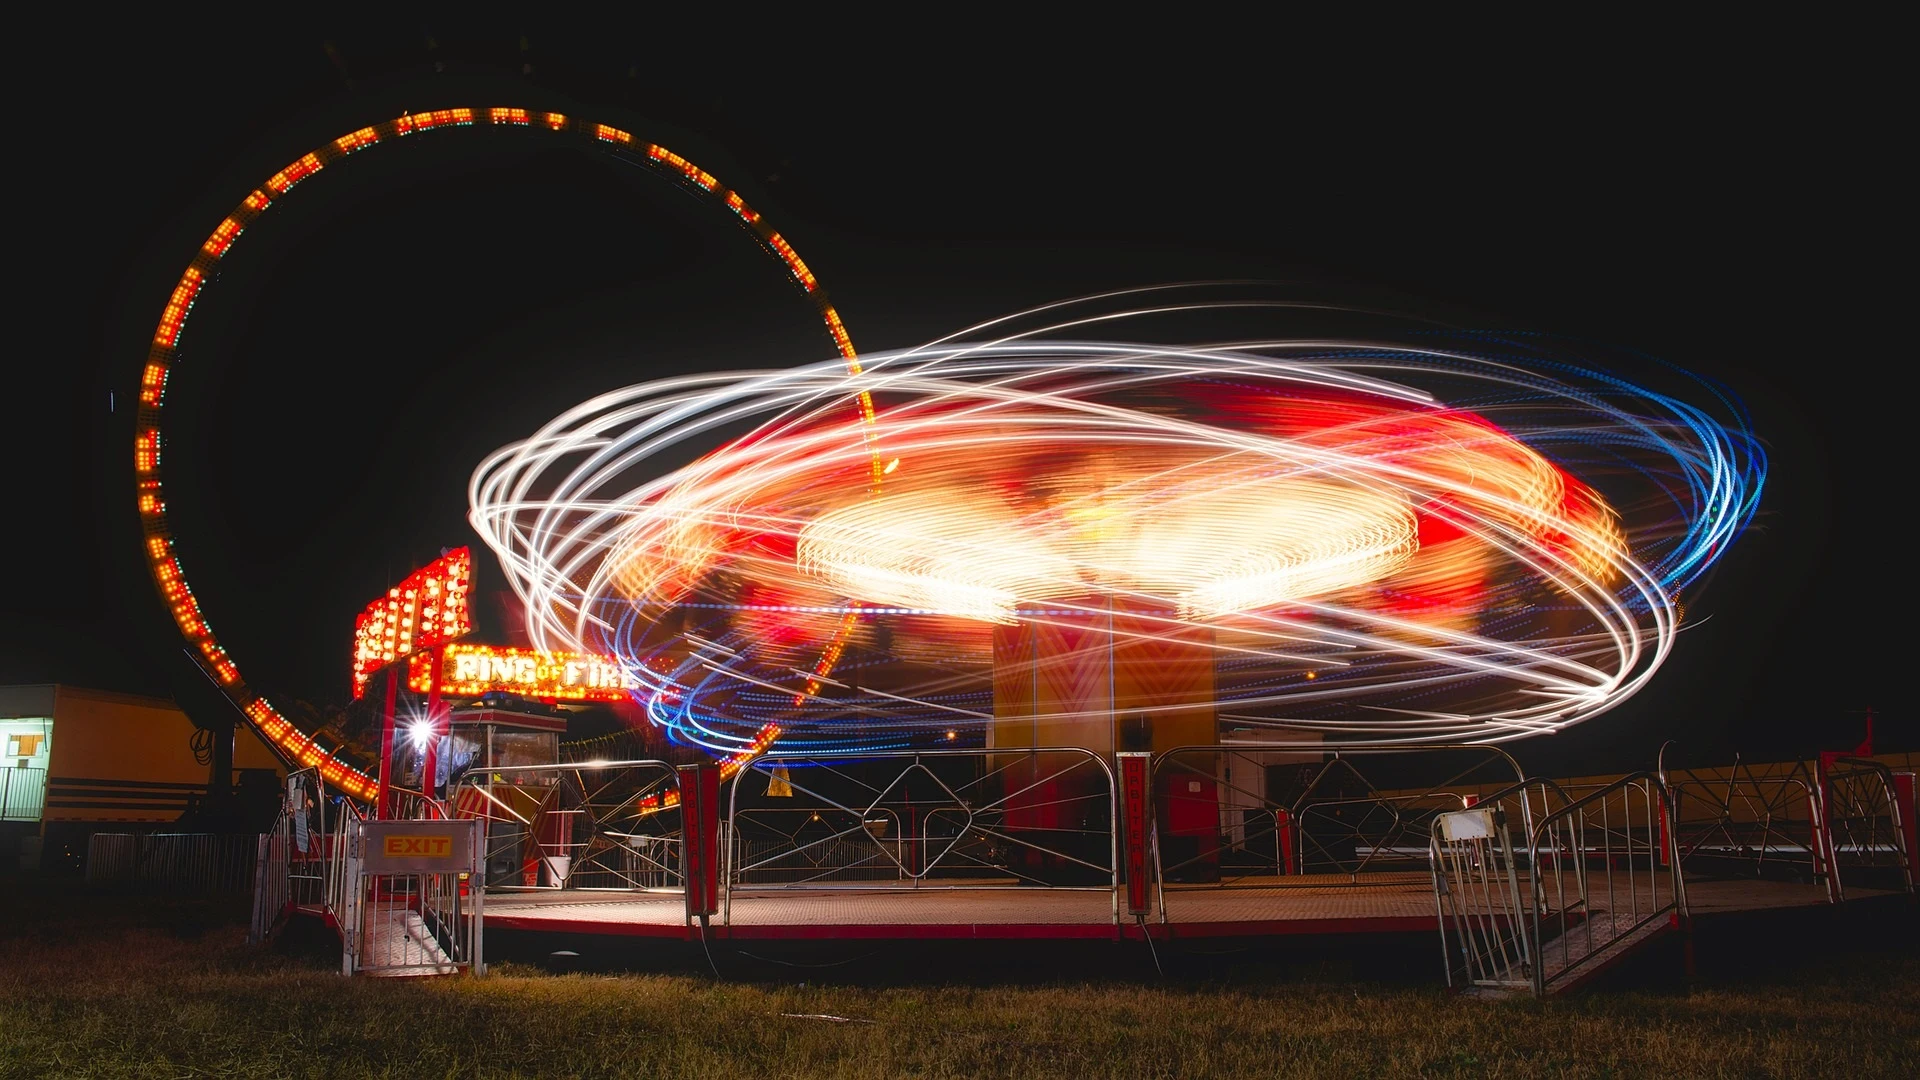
(421, 732)
(1420, 522)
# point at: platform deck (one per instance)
(1384, 903)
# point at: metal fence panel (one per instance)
(190, 863)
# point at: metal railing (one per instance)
(1615, 846)
(1337, 826)
(1478, 899)
(389, 923)
(407, 804)
(290, 860)
(952, 819)
(1748, 825)
(23, 794)
(339, 873)
(594, 825)
(1865, 827)
(192, 863)
(1597, 873)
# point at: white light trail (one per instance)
(1485, 571)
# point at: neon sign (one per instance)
(425, 611)
(480, 669)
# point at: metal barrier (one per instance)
(23, 794)
(612, 825)
(194, 863)
(406, 804)
(1220, 824)
(955, 819)
(1599, 874)
(300, 864)
(1610, 845)
(270, 896)
(1748, 825)
(291, 860)
(1339, 821)
(1866, 827)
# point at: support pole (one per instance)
(700, 838)
(1136, 816)
(1824, 840)
(430, 771)
(1816, 836)
(1669, 825)
(1283, 838)
(383, 796)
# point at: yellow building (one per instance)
(79, 761)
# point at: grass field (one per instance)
(103, 986)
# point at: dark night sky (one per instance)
(379, 331)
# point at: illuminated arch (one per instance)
(150, 440)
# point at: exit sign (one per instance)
(420, 847)
(432, 847)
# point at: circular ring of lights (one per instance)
(1413, 537)
(149, 441)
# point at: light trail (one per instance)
(1488, 570)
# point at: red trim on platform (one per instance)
(572, 926)
(1400, 924)
(1385, 924)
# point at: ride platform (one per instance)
(1328, 905)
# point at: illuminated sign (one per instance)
(478, 669)
(426, 610)
(396, 846)
(417, 847)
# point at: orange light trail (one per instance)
(1332, 519)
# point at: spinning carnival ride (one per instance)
(1021, 538)
(1017, 536)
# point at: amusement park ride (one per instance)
(1020, 634)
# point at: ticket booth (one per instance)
(486, 752)
(495, 738)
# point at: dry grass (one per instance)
(88, 990)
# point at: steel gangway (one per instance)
(1539, 888)
(399, 891)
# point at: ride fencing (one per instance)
(1595, 873)
(200, 864)
(296, 863)
(1756, 824)
(595, 825)
(1867, 831)
(1478, 897)
(322, 858)
(1285, 816)
(954, 819)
